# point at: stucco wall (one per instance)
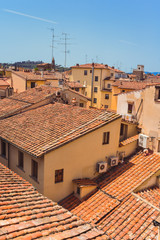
(78, 159)
(19, 83)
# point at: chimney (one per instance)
(77, 64)
(106, 65)
(92, 64)
(112, 67)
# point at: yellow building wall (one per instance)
(78, 159)
(129, 149)
(38, 83)
(78, 75)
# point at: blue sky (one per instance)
(120, 33)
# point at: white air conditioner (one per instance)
(101, 167)
(143, 141)
(128, 117)
(113, 161)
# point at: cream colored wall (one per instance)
(19, 83)
(129, 149)
(106, 101)
(152, 181)
(26, 174)
(54, 83)
(78, 159)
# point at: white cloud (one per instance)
(127, 42)
(29, 16)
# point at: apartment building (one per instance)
(97, 80)
(143, 106)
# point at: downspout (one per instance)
(8, 155)
(92, 84)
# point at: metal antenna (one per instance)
(53, 41)
(65, 43)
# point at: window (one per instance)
(20, 159)
(95, 89)
(90, 71)
(85, 72)
(34, 169)
(158, 145)
(96, 78)
(78, 81)
(122, 129)
(78, 190)
(95, 100)
(108, 85)
(111, 74)
(59, 176)
(106, 137)
(106, 96)
(123, 90)
(130, 107)
(33, 84)
(81, 104)
(77, 89)
(3, 148)
(157, 94)
(105, 106)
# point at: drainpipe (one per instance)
(92, 84)
(8, 155)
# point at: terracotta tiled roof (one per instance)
(133, 85)
(96, 65)
(129, 140)
(114, 190)
(26, 214)
(40, 130)
(93, 207)
(23, 100)
(74, 85)
(84, 182)
(132, 219)
(152, 195)
(33, 76)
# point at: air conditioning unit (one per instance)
(113, 161)
(128, 117)
(101, 167)
(143, 141)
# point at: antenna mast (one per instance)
(65, 43)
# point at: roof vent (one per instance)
(77, 64)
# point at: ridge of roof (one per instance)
(40, 130)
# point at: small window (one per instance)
(77, 89)
(106, 96)
(78, 81)
(108, 85)
(34, 169)
(130, 107)
(158, 93)
(95, 100)
(90, 71)
(111, 74)
(123, 90)
(33, 84)
(81, 104)
(159, 146)
(96, 78)
(59, 176)
(78, 190)
(85, 72)
(105, 106)
(122, 129)
(95, 89)
(106, 137)
(3, 148)
(20, 159)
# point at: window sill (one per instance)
(34, 179)
(21, 168)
